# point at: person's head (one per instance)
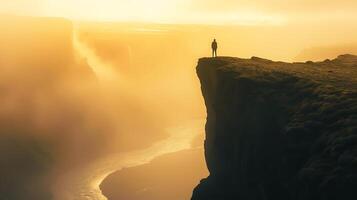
(214, 39)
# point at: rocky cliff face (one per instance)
(279, 131)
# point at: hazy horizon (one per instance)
(91, 87)
(256, 12)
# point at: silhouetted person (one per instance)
(214, 48)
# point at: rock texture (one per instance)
(279, 131)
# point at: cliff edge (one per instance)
(279, 131)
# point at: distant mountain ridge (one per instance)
(325, 52)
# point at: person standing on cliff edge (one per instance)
(214, 48)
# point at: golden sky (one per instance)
(187, 11)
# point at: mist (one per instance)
(59, 113)
(74, 92)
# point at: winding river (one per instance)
(83, 183)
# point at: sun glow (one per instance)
(161, 11)
(111, 9)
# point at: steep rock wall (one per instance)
(279, 130)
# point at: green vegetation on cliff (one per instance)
(282, 131)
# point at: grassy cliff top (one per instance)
(292, 126)
(340, 72)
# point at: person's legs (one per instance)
(212, 53)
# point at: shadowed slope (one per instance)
(278, 130)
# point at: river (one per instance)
(83, 183)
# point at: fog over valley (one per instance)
(83, 100)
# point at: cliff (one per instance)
(279, 131)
